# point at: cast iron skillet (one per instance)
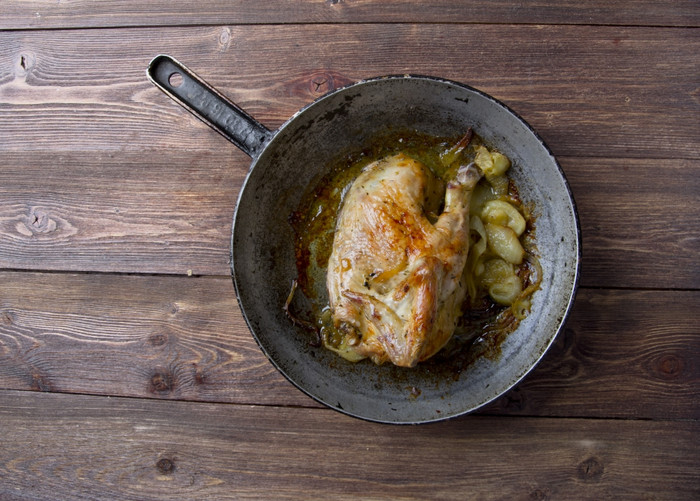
(286, 162)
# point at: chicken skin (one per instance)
(394, 274)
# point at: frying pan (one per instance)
(287, 161)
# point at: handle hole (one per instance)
(175, 79)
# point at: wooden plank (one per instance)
(639, 228)
(184, 338)
(149, 211)
(156, 337)
(156, 212)
(62, 120)
(631, 354)
(52, 100)
(43, 14)
(161, 450)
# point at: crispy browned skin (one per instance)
(393, 276)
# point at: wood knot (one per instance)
(162, 382)
(36, 222)
(40, 383)
(7, 318)
(158, 339)
(165, 466)
(590, 469)
(669, 366)
(224, 39)
(318, 83)
(25, 63)
(199, 376)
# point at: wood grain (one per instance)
(151, 212)
(638, 221)
(107, 129)
(161, 450)
(630, 354)
(606, 92)
(627, 354)
(44, 14)
(126, 368)
(156, 337)
(147, 212)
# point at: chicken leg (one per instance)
(394, 277)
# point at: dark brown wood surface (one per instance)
(134, 449)
(28, 14)
(126, 368)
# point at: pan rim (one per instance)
(571, 291)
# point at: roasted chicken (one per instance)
(399, 250)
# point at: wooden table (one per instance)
(126, 370)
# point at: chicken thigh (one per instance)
(394, 274)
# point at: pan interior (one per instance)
(263, 261)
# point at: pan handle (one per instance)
(204, 102)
